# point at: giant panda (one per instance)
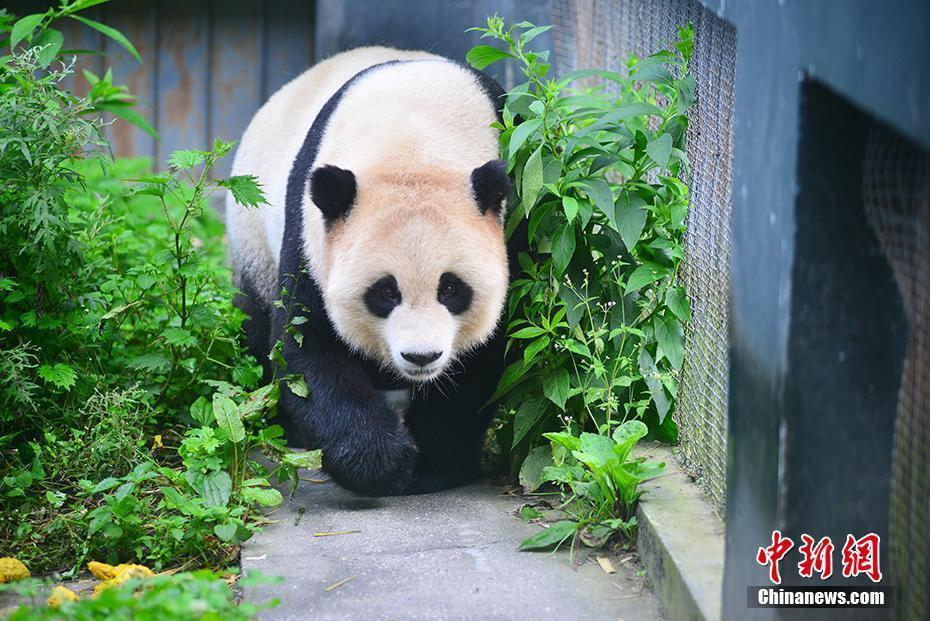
(383, 245)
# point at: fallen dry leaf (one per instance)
(606, 565)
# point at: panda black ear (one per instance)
(491, 185)
(332, 190)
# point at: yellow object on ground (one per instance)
(114, 576)
(60, 595)
(11, 570)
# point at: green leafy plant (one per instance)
(130, 413)
(596, 318)
(36, 32)
(189, 595)
(604, 480)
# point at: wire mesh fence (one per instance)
(601, 33)
(896, 193)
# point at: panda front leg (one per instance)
(450, 441)
(449, 425)
(366, 447)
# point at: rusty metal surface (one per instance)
(288, 43)
(137, 20)
(207, 64)
(183, 75)
(235, 68)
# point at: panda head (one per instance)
(414, 266)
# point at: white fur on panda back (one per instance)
(267, 150)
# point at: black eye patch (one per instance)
(454, 293)
(382, 296)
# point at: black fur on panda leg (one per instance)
(366, 447)
(449, 425)
(257, 325)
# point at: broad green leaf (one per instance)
(310, 460)
(217, 486)
(534, 348)
(670, 338)
(678, 303)
(685, 88)
(531, 472)
(570, 207)
(532, 181)
(226, 532)
(24, 27)
(481, 56)
(520, 134)
(60, 375)
(557, 387)
(128, 113)
(179, 337)
(532, 33)
(652, 69)
(259, 400)
(202, 411)
(186, 158)
(647, 367)
(555, 535)
(597, 449)
(105, 484)
(247, 192)
(227, 418)
(298, 385)
(178, 500)
(659, 149)
(50, 41)
(679, 211)
(599, 192)
(627, 435)
(617, 114)
(577, 347)
(630, 217)
(530, 332)
(645, 274)
(265, 496)
(509, 378)
(108, 31)
(528, 414)
(529, 513)
(150, 362)
(563, 248)
(563, 438)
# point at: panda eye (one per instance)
(382, 296)
(454, 293)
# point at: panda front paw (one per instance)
(373, 464)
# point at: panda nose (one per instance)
(421, 359)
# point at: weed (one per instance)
(596, 316)
(128, 406)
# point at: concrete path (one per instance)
(450, 555)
